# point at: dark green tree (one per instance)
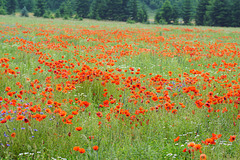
(11, 6)
(69, 7)
(157, 17)
(3, 7)
(41, 8)
(66, 9)
(21, 3)
(30, 5)
(114, 10)
(24, 12)
(82, 8)
(176, 13)
(200, 17)
(166, 12)
(218, 13)
(98, 10)
(133, 9)
(236, 13)
(187, 11)
(54, 4)
(94, 10)
(125, 10)
(142, 15)
(57, 14)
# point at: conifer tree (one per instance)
(166, 11)
(133, 9)
(125, 10)
(21, 3)
(200, 17)
(218, 13)
(2, 7)
(114, 10)
(41, 7)
(157, 16)
(82, 8)
(187, 11)
(24, 12)
(176, 13)
(98, 10)
(66, 9)
(69, 10)
(11, 6)
(30, 5)
(142, 15)
(236, 13)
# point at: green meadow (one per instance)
(136, 91)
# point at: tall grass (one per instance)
(90, 58)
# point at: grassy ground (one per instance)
(135, 91)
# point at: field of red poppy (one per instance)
(110, 90)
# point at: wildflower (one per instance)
(13, 135)
(81, 150)
(155, 98)
(78, 128)
(76, 148)
(203, 157)
(95, 148)
(99, 114)
(20, 117)
(176, 139)
(191, 144)
(3, 121)
(232, 138)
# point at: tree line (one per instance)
(199, 12)
(119, 10)
(206, 13)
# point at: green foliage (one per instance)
(52, 16)
(66, 9)
(187, 11)
(142, 15)
(3, 3)
(236, 14)
(114, 10)
(176, 13)
(157, 17)
(54, 4)
(162, 21)
(98, 10)
(41, 7)
(65, 17)
(11, 6)
(3, 7)
(205, 12)
(47, 14)
(218, 13)
(24, 12)
(29, 4)
(133, 9)
(130, 21)
(2, 11)
(166, 11)
(200, 17)
(82, 8)
(57, 14)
